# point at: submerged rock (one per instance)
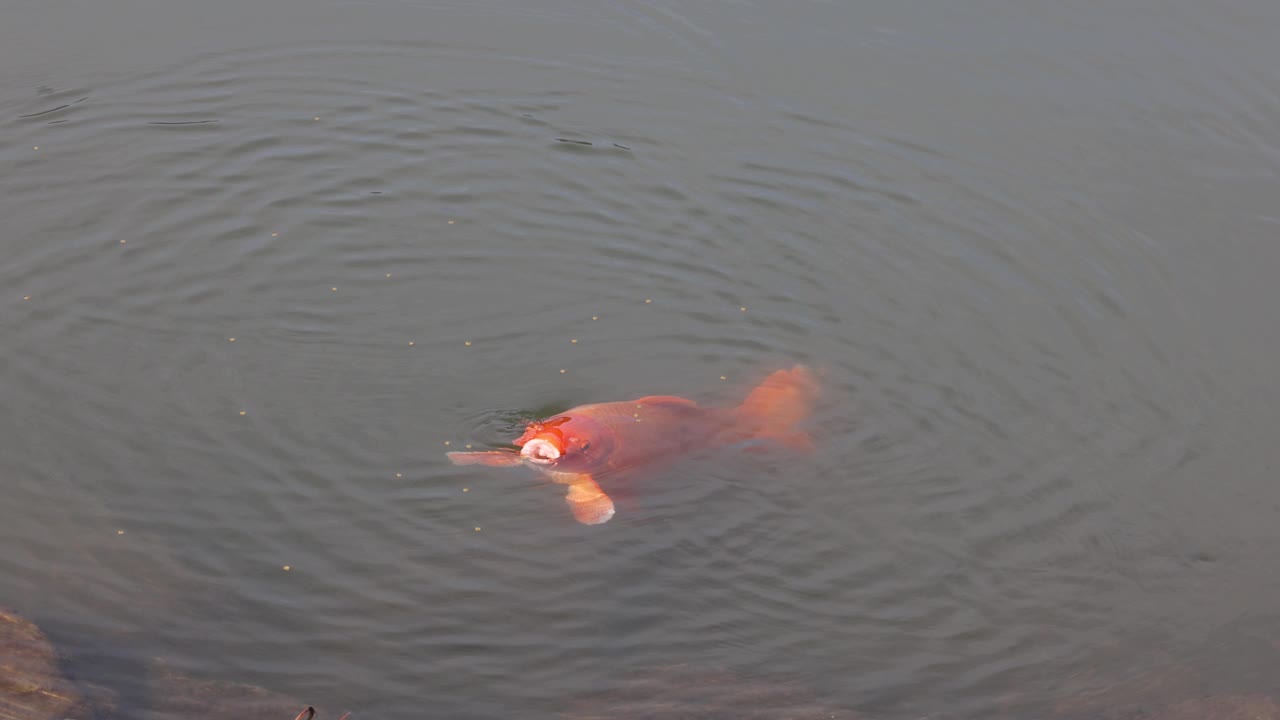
(678, 692)
(178, 697)
(1222, 707)
(1172, 694)
(31, 685)
(1210, 707)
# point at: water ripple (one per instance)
(266, 288)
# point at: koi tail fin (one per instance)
(774, 409)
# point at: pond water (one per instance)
(266, 262)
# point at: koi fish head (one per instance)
(558, 440)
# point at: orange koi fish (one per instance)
(591, 441)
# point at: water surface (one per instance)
(1032, 247)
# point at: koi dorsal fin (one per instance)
(666, 400)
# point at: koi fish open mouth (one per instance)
(540, 451)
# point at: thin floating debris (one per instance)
(46, 112)
(623, 147)
(182, 122)
(55, 122)
(375, 192)
(575, 142)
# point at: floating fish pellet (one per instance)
(647, 301)
(563, 371)
(399, 475)
(334, 289)
(36, 147)
(286, 568)
(231, 339)
(723, 377)
(26, 297)
(466, 489)
(388, 274)
(410, 343)
(477, 529)
(467, 343)
(573, 340)
(119, 532)
(123, 241)
(451, 222)
(743, 308)
(468, 446)
(446, 442)
(595, 317)
(242, 412)
(275, 234)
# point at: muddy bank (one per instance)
(33, 686)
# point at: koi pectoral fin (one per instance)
(589, 504)
(496, 458)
